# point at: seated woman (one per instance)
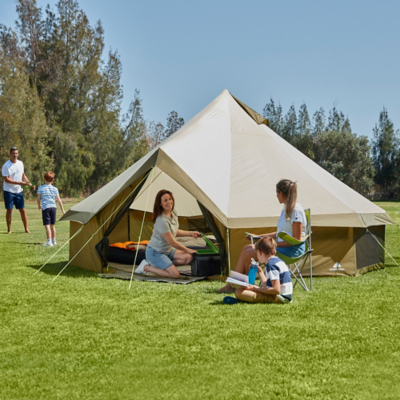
(276, 285)
(164, 253)
(292, 221)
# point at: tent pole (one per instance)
(229, 251)
(141, 228)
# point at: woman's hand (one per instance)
(195, 234)
(191, 251)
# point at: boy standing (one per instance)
(276, 284)
(46, 198)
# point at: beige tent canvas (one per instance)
(228, 160)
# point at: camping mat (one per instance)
(127, 276)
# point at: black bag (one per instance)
(206, 264)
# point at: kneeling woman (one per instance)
(164, 253)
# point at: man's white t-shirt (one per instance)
(13, 171)
(286, 225)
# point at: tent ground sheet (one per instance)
(124, 272)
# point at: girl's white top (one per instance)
(286, 225)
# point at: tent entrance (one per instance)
(134, 220)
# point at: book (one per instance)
(238, 280)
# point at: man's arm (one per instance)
(12, 182)
(25, 178)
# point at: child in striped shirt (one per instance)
(276, 284)
(46, 198)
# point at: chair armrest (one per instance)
(290, 239)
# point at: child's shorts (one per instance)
(159, 260)
(49, 216)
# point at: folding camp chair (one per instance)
(299, 262)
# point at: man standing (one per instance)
(13, 178)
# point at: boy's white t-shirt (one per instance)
(286, 225)
(14, 171)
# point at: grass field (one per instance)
(82, 337)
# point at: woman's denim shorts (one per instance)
(292, 251)
(159, 260)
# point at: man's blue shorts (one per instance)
(11, 199)
(49, 216)
(159, 260)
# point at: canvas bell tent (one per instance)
(222, 167)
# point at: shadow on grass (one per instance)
(72, 272)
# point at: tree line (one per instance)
(60, 103)
(60, 100)
(329, 141)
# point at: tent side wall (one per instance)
(87, 257)
(355, 250)
(370, 254)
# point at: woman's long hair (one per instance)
(157, 209)
(289, 190)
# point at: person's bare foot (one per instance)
(9, 231)
(226, 289)
(27, 231)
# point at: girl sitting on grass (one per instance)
(276, 283)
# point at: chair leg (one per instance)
(299, 271)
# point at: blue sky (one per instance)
(183, 54)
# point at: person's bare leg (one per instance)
(170, 272)
(24, 219)
(8, 219)
(48, 231)
(248, 252)
(182, 258)
(53, 231)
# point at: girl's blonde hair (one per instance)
(289, 190)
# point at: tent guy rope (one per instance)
(94, 234)
(382, 247)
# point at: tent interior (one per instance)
(137, 225)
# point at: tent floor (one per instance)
(124, 272)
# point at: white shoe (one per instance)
(140, 269)
(54, 242)
(48, 244)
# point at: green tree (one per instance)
(346, 156)
(386, 155)
(22, 120)
(274, 115)
(303, 139)
(289, 130)
(174, 122)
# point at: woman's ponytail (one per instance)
(289, 190)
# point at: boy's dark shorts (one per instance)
(49, 216)
(11, 199)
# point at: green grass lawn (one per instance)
(82, 337)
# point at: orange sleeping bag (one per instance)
(130, 245)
